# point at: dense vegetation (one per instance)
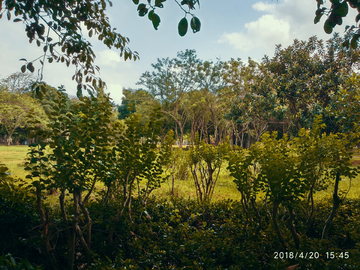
(122, 226)
(283, 130)
(244, 100)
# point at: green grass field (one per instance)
(14, 158)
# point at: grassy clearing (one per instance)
(14, 158)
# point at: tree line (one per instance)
(231, 98)
(242, 100)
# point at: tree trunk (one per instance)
(70, 233)
(291, 225)
(77, 229)
(276, 226)
(336, 204)
(45, 226)
(259, 227)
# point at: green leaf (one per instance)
(17, 20)
(357, 18)
(317, 18)
(142, 10)
(151, 14)
(328, 27)
(341, 10)
(30, 67)
(90, 33)
(158, 3)
(195, 24)
(23, 68)
(136, 2)
(155, 21)
(141, 6)
(183, 27)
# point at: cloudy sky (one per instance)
(230, 29)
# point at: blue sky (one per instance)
(230, 29)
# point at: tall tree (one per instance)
(172, 79)
(307, 72)
(253, 102)
(168, 82)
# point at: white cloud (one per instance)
(266, 31)
(261, 6)
(108, 58)
(282, 22)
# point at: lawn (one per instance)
(14, 158)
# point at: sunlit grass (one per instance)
(14, 158)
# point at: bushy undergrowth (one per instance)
(183, 234)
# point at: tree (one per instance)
(344, 109)
(46, 95)
(74, 166)
(168, 83)
(254, 103)
(17, 83)
(306, 73)
(64, 18)
(205, 163)
(88, 148)
(136, 101)
(172, 79)
(17, 110)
